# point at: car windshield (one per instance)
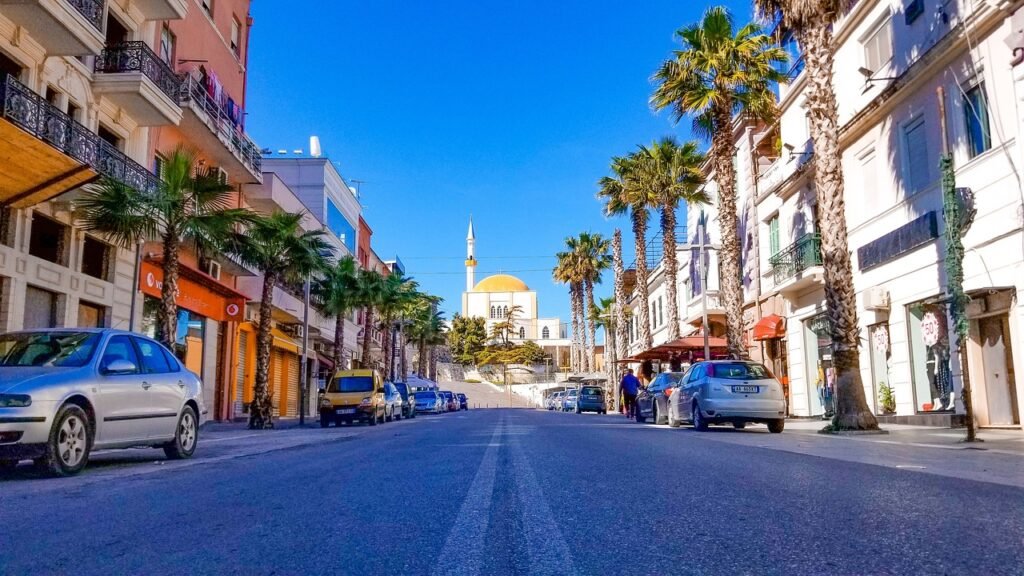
(740, 371)
(58, 349)
(351, 384)
(591, 392)
(426, 396)
(462, 396)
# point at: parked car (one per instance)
(408, 400)
(353, 395)
(67, 392)
(591, 399)
(463, 401)
(450, 403)
(555, 401)
(652, 401)
(392, 403)
(569, 400)
(729, 392)
(429, 401)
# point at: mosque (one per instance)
(494, 296)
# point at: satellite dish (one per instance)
(314, 147)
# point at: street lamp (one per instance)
(303, 377)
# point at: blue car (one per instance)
(591, 399)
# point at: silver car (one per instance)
(555, 401)
(66, 392)
(428, 401)
(728, 392)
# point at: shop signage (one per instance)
(898, 242)
(193, 296)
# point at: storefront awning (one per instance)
(770, 327)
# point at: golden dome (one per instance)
(501, 283)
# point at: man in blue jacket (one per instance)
(630, 385)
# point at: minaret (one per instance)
(470, 257)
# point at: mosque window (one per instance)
(545, 333)
(493, 312)
(522, 333)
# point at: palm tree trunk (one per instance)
(339, 341)
(404, 366)
(723, 152)
(668, 242)
(620, 297)
(367, 336)
(582, 354)
(640, 238)
(261, 411)
(591, 327)
(386, 348)
(573, 356)
(168, 317)
(421, 367)
(852, 412)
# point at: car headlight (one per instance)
(15, 400)
(325, 401)
(366, 401)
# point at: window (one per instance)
(109, 136)
(168, 44)
(661, 310)
(96, 258)
(979, 136)
(9, 66)
(916, 161)
(341, 227)
(74, 111)
(878, 46)
(545, 333)
(91, 315)
(48, 239)
(52, 96)
(773, 236)
(118, 348)
(930, 368)
(522, 333)
(159, 163)
(207, 7)
(153, 359)
(236, 37)
(40, 308)
(654, 316)
(117, 33)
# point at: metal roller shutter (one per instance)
(243, 368)
(292, 397)
(279, 371)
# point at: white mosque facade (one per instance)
(493, 297)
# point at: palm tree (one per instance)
(595, 258)
(427, 328)
(623, 192)
(369, 286)
(674, 174)
(721, 72)
(811, 22)
(277, 246)
(620, 296)
(567, 271)
(396, 291)
(338, 289)
(193, 210)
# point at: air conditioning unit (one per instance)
(213, 269)
(323, 347)
(297, 331)
(876, 298)
(252, 314)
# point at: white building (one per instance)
(495, 296)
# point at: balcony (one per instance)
(63, 27)
(798, 266)
(61, 153)
(694, 311)
(220, 137)
(132, 76)
(163, 9)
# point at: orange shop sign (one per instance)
(196, 292)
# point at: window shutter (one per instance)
(917, 159)
(773, 235)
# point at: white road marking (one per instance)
(463, 549)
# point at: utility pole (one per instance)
(303, 377)
(702, 224)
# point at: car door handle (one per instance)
(146, 385)
(181, 383)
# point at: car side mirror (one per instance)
(120, 366)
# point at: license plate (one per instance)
(345, 411)
(744, 389)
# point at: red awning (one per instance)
(770, 327)
(696, 342)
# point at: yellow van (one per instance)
(353, 395)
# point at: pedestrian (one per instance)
(676, 362)
(630, 386)
(647, 371)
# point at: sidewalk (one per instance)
(994, 440)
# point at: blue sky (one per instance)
(506, 110)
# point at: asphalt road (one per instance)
(514, 492)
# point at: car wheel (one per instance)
(739, 425)
(699, 423)
(324, 421)
(398, 416)
(186, 436)
(372, 420)
(654, 413)
(640, 419)
(67, 449)
(776, 426)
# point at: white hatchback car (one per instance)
(66, 392)
(728, 392)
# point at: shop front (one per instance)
(821, 376)
(283, 373)
(207, 313)
(770, 332)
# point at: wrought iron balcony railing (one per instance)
(92, 10)
(138, 57)
(33, 114)
(797, 257)
(194, 93)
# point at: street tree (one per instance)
(594, 257)
(338, 288)
(467, 338)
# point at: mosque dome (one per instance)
(501, 283)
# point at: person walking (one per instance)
(630, 385)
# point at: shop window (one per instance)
(40, 308)
(929, 357)
(881, 359)
(96, 258)
(190, 338)
(821, 374)
(545, 333)
(48, 239)
(91, 315)
(979, 137)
